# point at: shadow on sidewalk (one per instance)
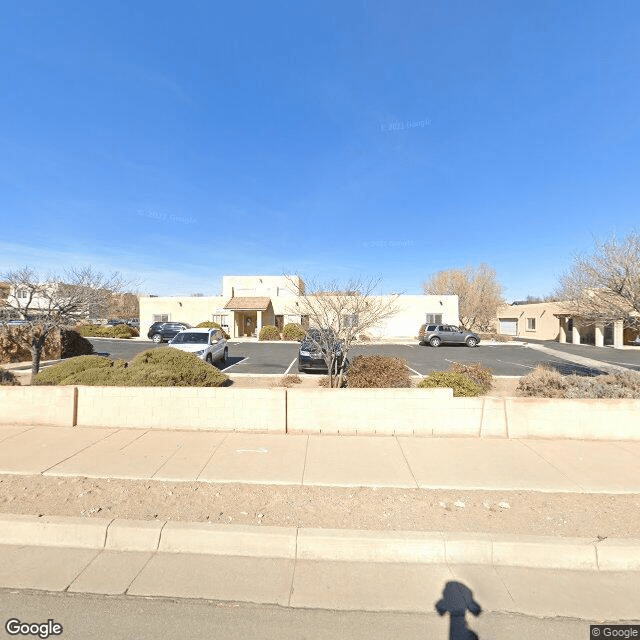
(456, 600)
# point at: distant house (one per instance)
(248, 303)
(553, 321)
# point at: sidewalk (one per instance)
(587, 578)
(574, 466)
(295, 569)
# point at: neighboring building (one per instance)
(551, 321)
(248, 303)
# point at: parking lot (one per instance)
(504, 359)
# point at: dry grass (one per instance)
(544, 382)
(289, 380)
(378, 372)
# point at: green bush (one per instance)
(462, 386)
(57, 373)
(544, 382)
(165, 367)
(7, 378)
(293, 331)
(212, 325)
(378, 372)
(476, 372)
(269, 332)
(104, 331)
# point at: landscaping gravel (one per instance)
(518, 512)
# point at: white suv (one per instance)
(207, 344)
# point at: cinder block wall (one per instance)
(183, 408)
(48, 406)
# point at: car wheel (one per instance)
(209, 359)
(471, 342)
(157, 338)
(225, 355)
(435, 342)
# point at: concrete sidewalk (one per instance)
(368, 461)
(317, 568)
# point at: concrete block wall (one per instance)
(47, 406)
(214, 409)
(419, 412)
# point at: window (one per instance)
(221, 318)
(350, 320)
(531, 324)
(161, 317)
(434, 318)
(23, 293)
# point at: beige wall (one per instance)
(412, 311)
(215, 409)
(269, 286)
(419, 412)
(547, 325)
(192, 310)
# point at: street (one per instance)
(86, 616)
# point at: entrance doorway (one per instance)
(246, 323)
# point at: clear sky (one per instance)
(177, 142)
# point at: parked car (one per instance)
(133, 322)
(312, 350)
(437, 334)
(161, 331)
(208, 344)
(16, 323)
(114, 323)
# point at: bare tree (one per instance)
(54, 302)
(479, 293)
(340, 312)
(604, 286)
(123, 305)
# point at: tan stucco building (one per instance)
(551, 321)
(248, 303)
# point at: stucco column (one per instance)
(599, 334)
(618, 334)
(259, 325)
(575, 338)
(562, 336)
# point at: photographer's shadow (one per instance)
(456, 600)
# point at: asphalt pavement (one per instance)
(503, 359)
(86, 616)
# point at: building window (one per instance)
(221, 318)
(531, 324)
(434, 318)
(23, 293)
(350, 321)
(160, 317)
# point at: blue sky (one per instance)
(177, 142)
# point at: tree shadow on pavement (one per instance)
(456, 600)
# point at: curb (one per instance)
(332, 545)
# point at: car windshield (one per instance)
(191, 338)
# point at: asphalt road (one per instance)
(127, 618)
(279, 358)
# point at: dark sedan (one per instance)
(313, 349)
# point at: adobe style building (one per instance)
(551, 321)
(248, 303)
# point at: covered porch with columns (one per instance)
(250, 314)
(571, 324)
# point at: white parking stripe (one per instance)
(235, 364)
(291, 365)
(526, 366)
(416, 372)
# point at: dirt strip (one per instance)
(519, 512)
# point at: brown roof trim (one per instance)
(248, 303)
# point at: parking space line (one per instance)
(416, 372)
(236, 363)
(526, 366)
(291, 365)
